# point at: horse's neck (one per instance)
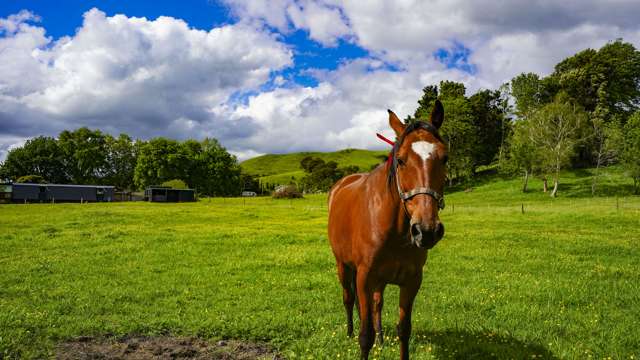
(391, 213)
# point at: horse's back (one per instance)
(344, 203)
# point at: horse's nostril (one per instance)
(416, 233)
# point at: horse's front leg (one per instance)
(407, 295)
(365, 297)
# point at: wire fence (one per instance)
(319, 203)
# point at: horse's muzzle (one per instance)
(426, 237)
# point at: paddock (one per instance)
(559, 281)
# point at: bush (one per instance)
(31, 179)
(175, 184)
(286, 192)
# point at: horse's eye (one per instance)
(400, 162)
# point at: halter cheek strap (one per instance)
(422, 190)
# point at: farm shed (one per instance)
(167, 194)
(22, 192)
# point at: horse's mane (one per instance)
(408, 129)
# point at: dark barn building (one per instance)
(22, 192)
(167, 194)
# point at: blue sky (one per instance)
(278, 76)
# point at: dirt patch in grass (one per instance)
(161, 347)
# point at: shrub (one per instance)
(286, 192)
(175, 184)
(31, 179)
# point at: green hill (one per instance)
(282, 168)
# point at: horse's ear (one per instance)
(437, 114)
(395, 123)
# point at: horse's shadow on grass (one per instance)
(456, 344)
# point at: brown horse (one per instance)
(381, 225)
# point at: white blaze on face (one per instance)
(424, 149)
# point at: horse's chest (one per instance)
(399, 272)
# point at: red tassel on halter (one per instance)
(381, 137)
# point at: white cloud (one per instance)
(120, 73)
(324, 23)
(322, 19)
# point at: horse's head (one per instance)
(418, 175)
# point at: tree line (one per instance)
(86, 156)
(584, 114)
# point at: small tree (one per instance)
(607, 145)
(631, 150)
(554, 131)
(521, 153)
(175, 184)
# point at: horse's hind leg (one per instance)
(347, 279)
(378, 301)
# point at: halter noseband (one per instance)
(404, 196)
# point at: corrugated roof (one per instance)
(64, 185)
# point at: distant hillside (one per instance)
(282, 168)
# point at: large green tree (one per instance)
(458, 130)
(159, 160)
(220, 169)
(529, 92)
(122, 156)
(41, 156)
(205, 166)
(85, 155)
(489, 110)
(607, 77)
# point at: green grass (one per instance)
(559, 281)
(279, 168)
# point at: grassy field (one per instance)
(560, 281)
(283, 168)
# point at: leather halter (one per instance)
(404, 196)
